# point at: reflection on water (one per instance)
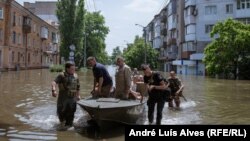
(28, 111)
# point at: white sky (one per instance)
(121, 17)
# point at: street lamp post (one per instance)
(145, 44)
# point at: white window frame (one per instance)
(208, 28)
(229, 8)
(211, 10)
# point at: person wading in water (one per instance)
(69, 86)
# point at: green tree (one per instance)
(116, 52)
(96, 32)
(78, 33)
(71, 18)
(229, 48)
(134, 54)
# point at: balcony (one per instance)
(197, 56)
(164, 31)
(190, 3)
(26, 25)
(172, 41)
(190, 19)
(190, 37)
(184, 62)
(172, 56)
(186, 54)
(164, 18)
(50, 50)
(44, 33)
(54, 38)
(162, 58)
(242, 13)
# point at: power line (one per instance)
(94, 5)
(164, 4)
(86, 3)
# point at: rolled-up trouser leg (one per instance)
(170, 102)
(177, 101)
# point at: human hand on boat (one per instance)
(78, 97)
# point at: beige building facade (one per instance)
(26, 41)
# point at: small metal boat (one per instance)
(113, 110)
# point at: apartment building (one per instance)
(26, 41)
(46, 10)
(189, 23)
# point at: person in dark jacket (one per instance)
(155, 86)
(102, 80)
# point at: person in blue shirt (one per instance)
(102, 79)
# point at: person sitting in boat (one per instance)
(135, 72)
(122, 79)
(102, 79)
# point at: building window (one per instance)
(229, 8)
(18, 57)
(13, 56)
(1, 34)
(1, 13)
(244, 20)
(14, 19)
(208, 28)
(210, 10)
(20, 20)
(14, 37)
(19, 39)
(242, 4)
(28, 58)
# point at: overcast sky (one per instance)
(121, 17)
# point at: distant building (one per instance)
(46, 10)
(185, 28)
(26, 41)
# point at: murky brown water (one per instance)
(28, 112)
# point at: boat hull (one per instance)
(121, 111)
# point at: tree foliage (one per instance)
(72, 18)
(229, 49)
(116, 52)
(134, 55)
(96, 32)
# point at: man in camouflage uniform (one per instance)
(176, 89)
(69, 86)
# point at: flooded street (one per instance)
(28, 111)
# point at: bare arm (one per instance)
(100, 84)
(181, 86)
(78, 90)
(53, 87)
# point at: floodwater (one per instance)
(28, 111)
